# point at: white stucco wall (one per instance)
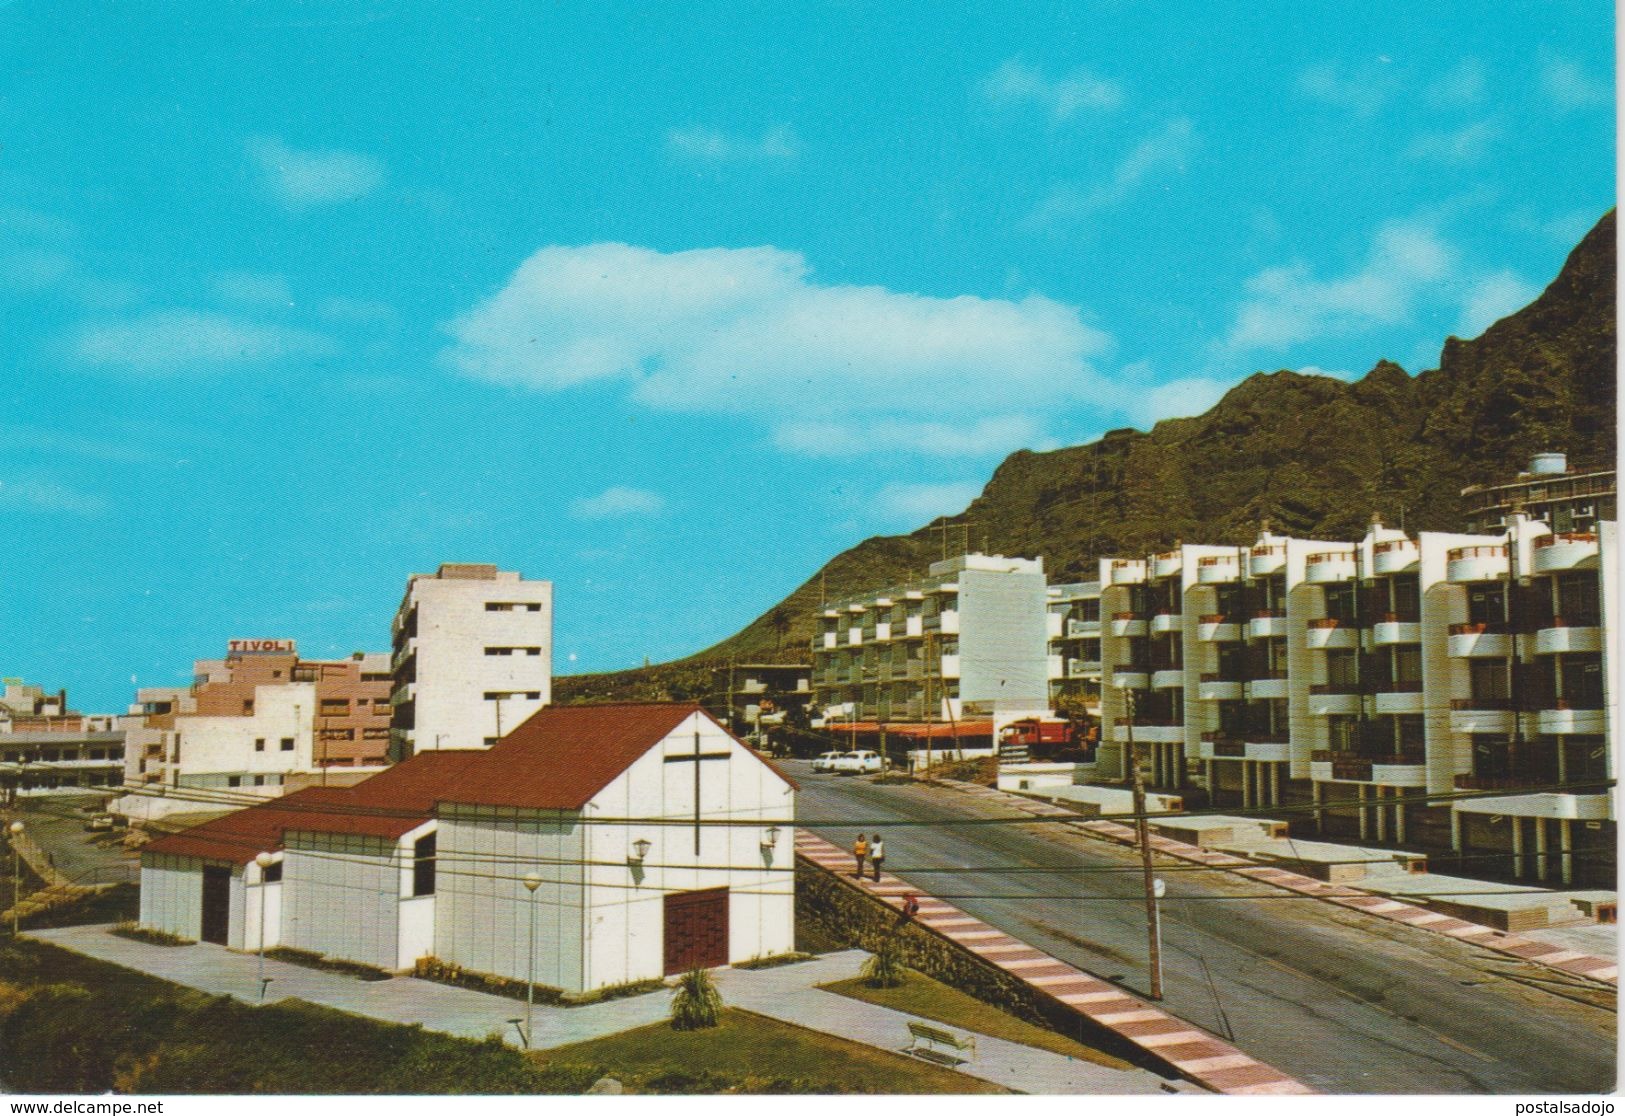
(342, 895)
(172, 894)
(481, 913)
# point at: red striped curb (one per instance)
(1569, 961)
(1192, 1052)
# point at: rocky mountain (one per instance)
(1315, 456)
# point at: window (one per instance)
(259, 744)
(335, 707)
(271, 873)
(287, 743)
(248, 707)
(533, 608)
(1340, 601)
(534, 695)
(533, 650)
(234, 780)
(499, 650)
(423, 865)
(259, 780)
(497, 606)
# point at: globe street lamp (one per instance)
(264, 860)
(532, 881)
(16, 831)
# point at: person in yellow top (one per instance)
(860, 851)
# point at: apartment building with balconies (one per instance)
(250, 724)
(1567, 499)
(472, 657)
(1074, 645)
(46, 748)
(968, 640)
(1372, 681)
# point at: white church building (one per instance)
(660, 840)
(654, 839)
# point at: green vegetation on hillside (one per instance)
(1314, 456)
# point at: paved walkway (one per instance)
(1192, 1052)
(786, 992)
(1556, 956)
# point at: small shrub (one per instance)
(444, 972)
(137, 932)
(311, 960)
(611, 992)
(697, 1003)
(884, 969)
(773, 961)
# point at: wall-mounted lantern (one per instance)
(640, 850)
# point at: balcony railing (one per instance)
(1480, 627)
(1337, 688)
(1564, 537)
(1461, 552)
(1335, 756)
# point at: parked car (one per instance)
(826, 762)
(101, 823)
(860, 763)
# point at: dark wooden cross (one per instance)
(695, 759)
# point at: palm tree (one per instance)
(697, 1003)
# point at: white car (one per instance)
(860, 763)
(826, 762)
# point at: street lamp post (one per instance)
(16, 831)
(264, 860)
(532, 882)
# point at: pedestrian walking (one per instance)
(877, 856)
(860, 850)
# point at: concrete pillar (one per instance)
(1540, 848)
(1275, 784)
(1361, 809)
(1565, 845)
(1399, 818)
(1562, 762)
(1246, 787)
(1314, 795)
(1382, 813)
(1455, 829)
(1517, 845)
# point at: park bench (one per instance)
(940, 1045)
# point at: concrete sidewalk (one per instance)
(786, 992)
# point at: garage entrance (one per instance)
(696, 930)
(216, 903)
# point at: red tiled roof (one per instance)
(394, 801)
(565, 754)
(244, 834)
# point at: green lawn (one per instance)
(764, 1056)
(921, 996)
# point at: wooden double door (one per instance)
(696, 930)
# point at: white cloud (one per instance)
(995, 435)
(1463, 84)
(777, 144)
(253, 288)
(1014, 82)
(1164, 149)
(1492, 298)
(1362, 90)
(618, 502)
(1329, 373)
(1180, 398)
(1568, 85)
(32, 495)
(920, 503)
(1465, 145)
(747, 331)
(173, 341)
(305, 178)
(1289, 304)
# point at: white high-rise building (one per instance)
(473, 657)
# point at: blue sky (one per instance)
(670, 303)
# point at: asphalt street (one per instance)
(57, 824)
(1345, 1002)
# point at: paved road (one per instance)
(1344, 1002)
(57, 824)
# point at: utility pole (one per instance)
(1142, 834)
(929, 641)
